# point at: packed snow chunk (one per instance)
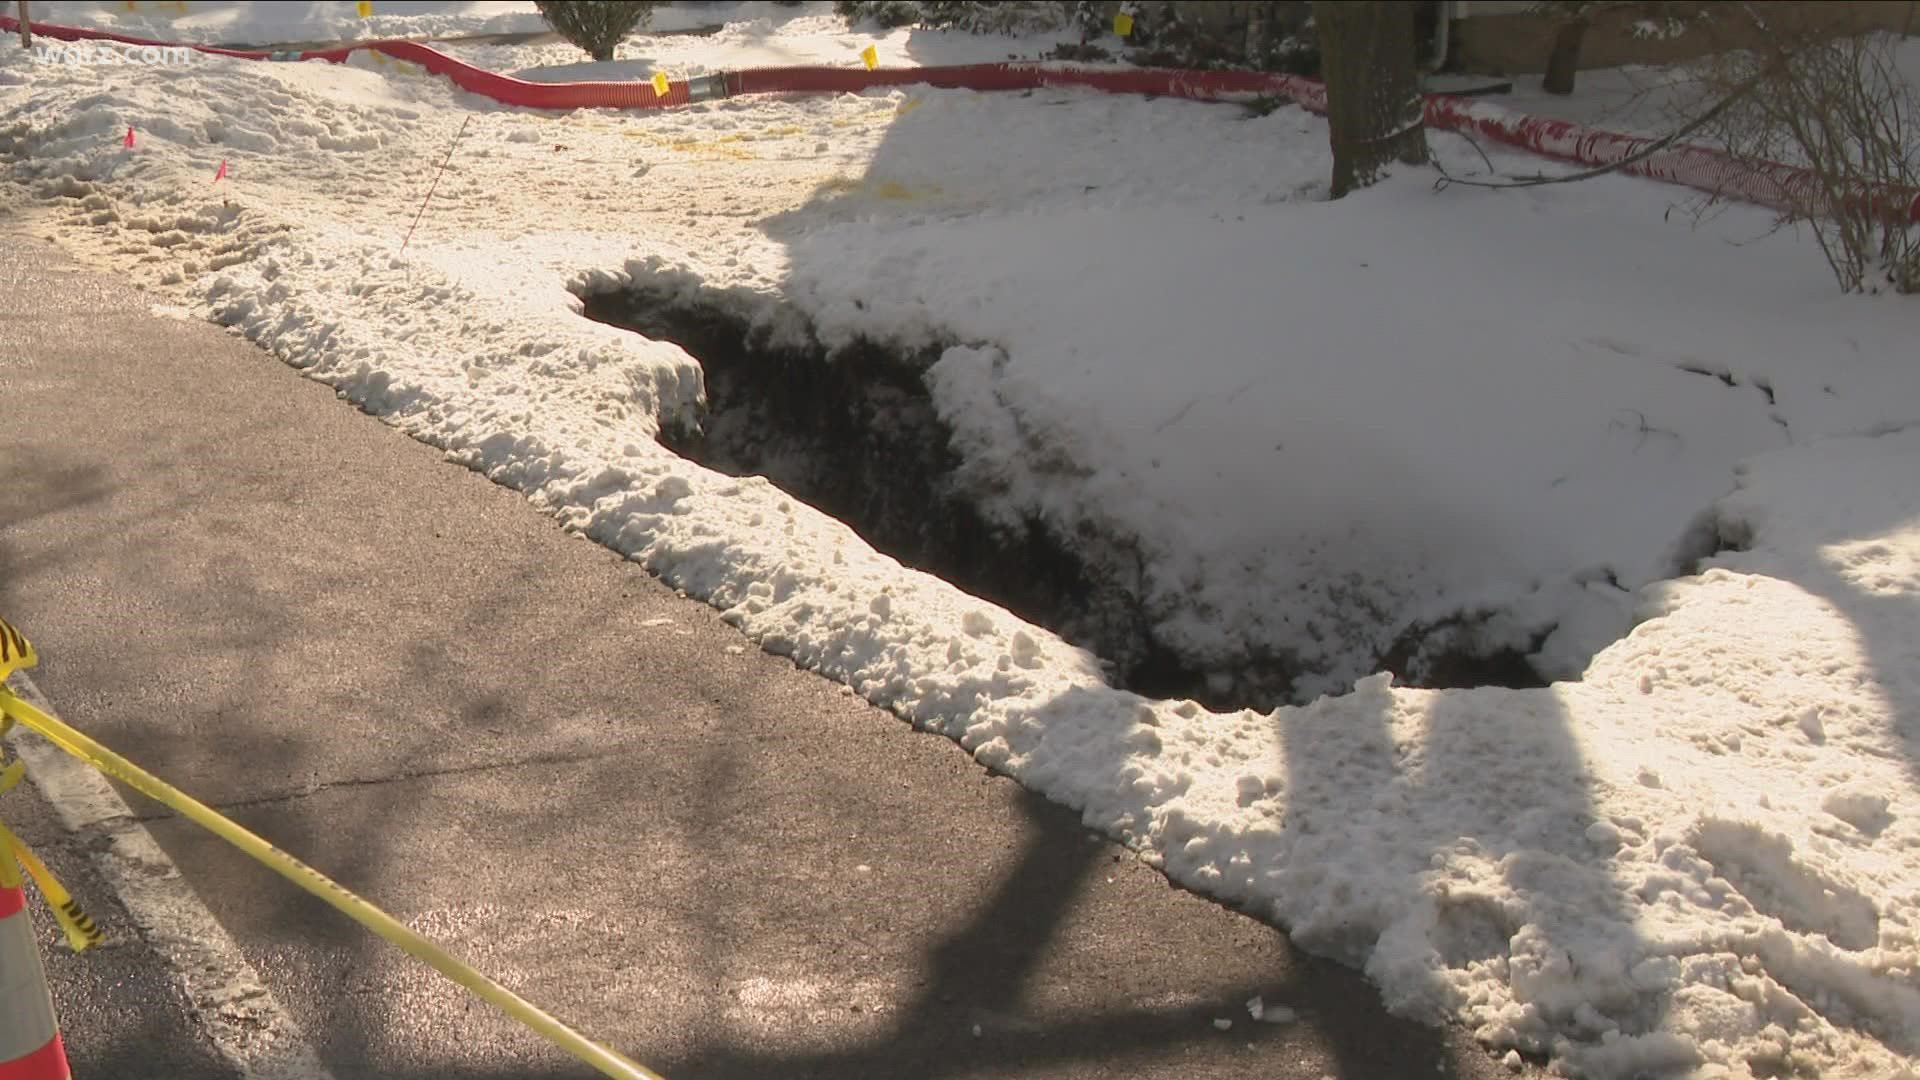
(1863, 809)
(1766, 872)
(1258, 1008)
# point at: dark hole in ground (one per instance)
(853, 433)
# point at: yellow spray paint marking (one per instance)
(365, 8)
(1123, 24)
(836, 185)
(660, 84)
(712, 150)
(402, 68)
(871, 56)
(890, 190)
(716, 148)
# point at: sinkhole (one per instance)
(853, 432)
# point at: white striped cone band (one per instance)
(30, 1047)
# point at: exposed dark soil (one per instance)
(853, 433)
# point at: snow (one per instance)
(1648, 100)
(243, 22)
(233, 22)
(1258, 1008)
(759, 36)
(1696, 855)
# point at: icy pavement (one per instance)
(1322, 422)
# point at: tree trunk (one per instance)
(1564, 60)
(1373, 88)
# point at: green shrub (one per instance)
(1010, 17)
(595, 25)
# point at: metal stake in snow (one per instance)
(431, 188)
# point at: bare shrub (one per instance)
(1837, 107)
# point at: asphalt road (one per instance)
(122, 1013)
(530, 749)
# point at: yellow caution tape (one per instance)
(81, 932)
(15, 651)
(365, 8)
(660, 84)
(83, 747)
(871, 55)
(1123, 24)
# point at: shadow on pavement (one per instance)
(40, 483)
(970, 1016)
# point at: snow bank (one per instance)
(1700, 858)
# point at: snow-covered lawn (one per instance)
(1322, 422)
(216, 22)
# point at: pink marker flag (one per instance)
(129, 143)
(222, 174)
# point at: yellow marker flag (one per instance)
(365, 8)
(871, 55)
(660, 83)
(1123, 24)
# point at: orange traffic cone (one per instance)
(30, 1047)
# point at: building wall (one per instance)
(1500, 37)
